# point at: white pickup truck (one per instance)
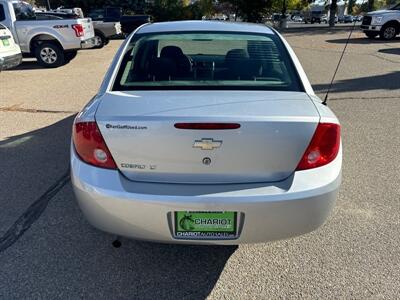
(385, 23)
(52, 42)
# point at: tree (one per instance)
(251, 11)
(171, 10)
(332, 13)
(201, 8)
(350, 7)
(167, 10)
(371, 5)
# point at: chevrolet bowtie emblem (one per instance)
(207, 144)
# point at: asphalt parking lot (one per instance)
(355, 254)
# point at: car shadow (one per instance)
(26, 65)
(61, 254)
(394, 51)
(363, 41)
(30, 64)
(34, 160)
(389, 81)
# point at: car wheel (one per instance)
(371, 35)
(388, 32)
(49, 55)
(99, 41)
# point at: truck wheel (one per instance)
(70, 55)
(99, 40)
(388, 32)
(49, 55)
(371, 35)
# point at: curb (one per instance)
(318, 29)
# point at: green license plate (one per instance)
(6, 42)
(203, 225)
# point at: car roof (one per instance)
(180, 26)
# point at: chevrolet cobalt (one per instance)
(206, 132)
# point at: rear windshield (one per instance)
(23, 11)
(206, 60)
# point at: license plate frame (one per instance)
(206, 225)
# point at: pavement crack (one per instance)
(385, 59)
(34, 211)
(16, 108)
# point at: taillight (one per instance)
(78, 28)
(90, 146)
(323, 148)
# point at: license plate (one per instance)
(6, 42)
(203, 225)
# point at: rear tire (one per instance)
(100, 40)
(389, 32)
(49, 55)
(70, 55)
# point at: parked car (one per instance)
(385, 23)
(298, 19)
(325, 19)
(346, 19)
(206, 132)
(114, 14)
(103, 31)
(52, 42)
(10, 53)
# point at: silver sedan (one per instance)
(206, 132)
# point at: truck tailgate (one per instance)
(88, 31)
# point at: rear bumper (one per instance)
(10, 61)
(267, 211)
(87, 44)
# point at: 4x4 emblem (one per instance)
(207, 144)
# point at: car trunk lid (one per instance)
(140, 130)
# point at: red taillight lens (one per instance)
(90, 146)
(78, 28)
(323, 148)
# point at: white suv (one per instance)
(10, 53)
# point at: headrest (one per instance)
(171, 52)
